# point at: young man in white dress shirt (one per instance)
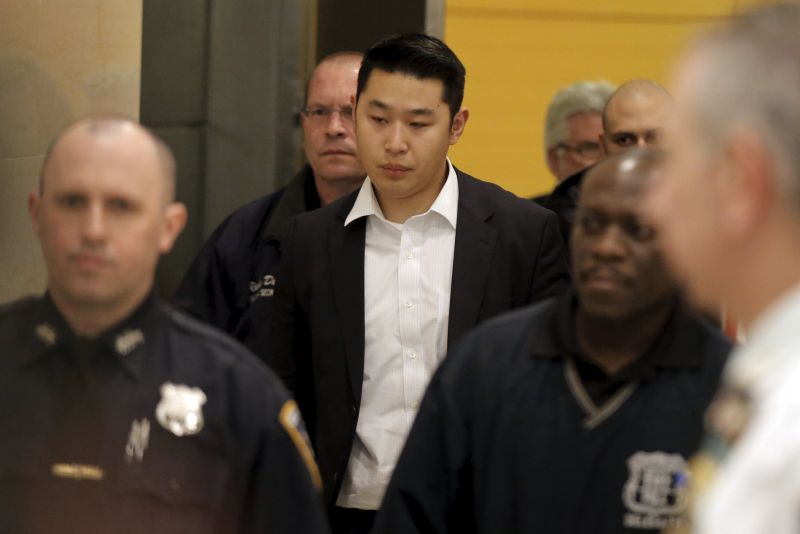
(729, 215)
(380, 283)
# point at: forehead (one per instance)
(334, 81)
(104, 164)
(612, 192)
(403, 92)
(585, 123)
(638, 111)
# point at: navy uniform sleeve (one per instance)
(205, 292)
(431, 488)
(285, 495)
(552, 275)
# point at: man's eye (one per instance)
(379, 120)
(591, 224)
(318, 112)
(624, 140)
(120, 205)
(417, 125)
(653, 138)
(641, 232)
(72, 201)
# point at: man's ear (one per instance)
(34, 204)
(459, 123)
(749, 182)
(175, 217)
(552, 161)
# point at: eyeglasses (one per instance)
(587, 149)
(323, 114)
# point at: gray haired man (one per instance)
(573, 126)
(729, 216)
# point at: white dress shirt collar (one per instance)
(446, 203)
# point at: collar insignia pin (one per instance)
(46, 333)
(128, 340)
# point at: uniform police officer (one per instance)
(118, 413)
(729, 215)
(576, 414)
(231, 284)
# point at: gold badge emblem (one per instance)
(181, 409)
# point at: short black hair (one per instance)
(420, 56)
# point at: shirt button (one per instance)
(409, 304)
(412, 354)
(415, 404)
(409, 255)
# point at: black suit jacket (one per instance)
(508, 252)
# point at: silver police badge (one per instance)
(181, 409)
(656, 493)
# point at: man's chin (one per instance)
(341, 173)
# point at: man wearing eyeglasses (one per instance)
(634, 116)
(232, 281)
(573, 127)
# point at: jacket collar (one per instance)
(445, 204)
(299, 197)
(676, 347)
(125, 342)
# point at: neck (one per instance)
(774, 279)
(399, 210)
(615, 343)
(92, 319)
(329, 191)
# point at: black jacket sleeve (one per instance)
(552, 274)
(205, 292)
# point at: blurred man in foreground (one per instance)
(729, 215)
(119, 414)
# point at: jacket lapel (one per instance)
(472, 259)
(346, 248)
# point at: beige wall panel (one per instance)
(21, 269)
(59, 60)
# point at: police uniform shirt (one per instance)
(231, 283)
(509, 440)
(159, 425)
(756, 486)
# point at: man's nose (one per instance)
(337, 124)
(94, 224)
(395, 142)
(610, 244)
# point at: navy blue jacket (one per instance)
(231, 283)
(159, 425)
(507, 438)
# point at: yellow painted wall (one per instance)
(518, 53)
